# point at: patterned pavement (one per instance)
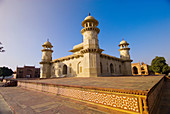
(34, 102)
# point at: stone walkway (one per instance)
(4, 107)
(34, 102)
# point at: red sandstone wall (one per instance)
(154, 95)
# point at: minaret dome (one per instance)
(124, 50)
(89, 21)
(47, 44)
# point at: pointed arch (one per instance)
(120, 69)
(79, 67)
(135, 70)
(107, 67)
(65, 69)
(29, 73)
(53, 70)
(70, 68)
(101, 68)
(111, 68)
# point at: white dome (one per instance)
(123, 42)
(48, 44)
(89, 18)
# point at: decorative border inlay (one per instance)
(113, 100)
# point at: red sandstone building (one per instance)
(139, 69)
(27, 72)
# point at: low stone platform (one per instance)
(130, 83)
(131, 94)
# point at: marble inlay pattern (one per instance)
(113, 100)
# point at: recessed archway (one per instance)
(79, 68)
(111, 68)
(135, 70)
(65, 69)
(101, 68)
(120, 69)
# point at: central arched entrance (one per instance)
(29, 73)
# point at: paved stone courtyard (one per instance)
(4, 107)
(34, 102)
(25, 101)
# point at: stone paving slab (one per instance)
(25, 101)
(125, 82)
(4, 108)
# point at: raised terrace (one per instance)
(138, 94)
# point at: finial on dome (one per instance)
(89, 14)
(122, 38)
(48, 39)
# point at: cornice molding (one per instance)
(90, 28)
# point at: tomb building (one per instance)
(87, 59)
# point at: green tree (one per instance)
(165, 69)
(159, 65)
(150, 70)
(5, 71)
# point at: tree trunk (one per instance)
(3, 78)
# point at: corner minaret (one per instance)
(124, 50)
(46, 58)
(91, 50)
(90, 32)
(124, 55)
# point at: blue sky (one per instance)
(26, 24)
